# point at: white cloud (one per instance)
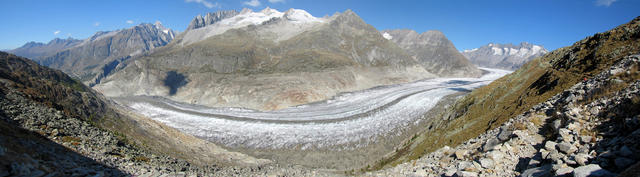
(205, 3)
(276, 1)
(130, 21)
(56, 32)
(252, 3)
(96, 24)
(606, 3)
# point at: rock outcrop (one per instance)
(211, 18)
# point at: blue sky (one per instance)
(467, 23)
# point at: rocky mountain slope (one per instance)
(52, 124)
(310, 58)
(505, 56)
(536, 82)
(433, 51)
(37, 50)
(95, 57)
(586, 130)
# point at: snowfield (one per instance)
(347, 121)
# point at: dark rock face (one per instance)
(434, 52)
(211, 18)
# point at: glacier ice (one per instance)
(349, 120)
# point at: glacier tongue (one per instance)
(350, 120)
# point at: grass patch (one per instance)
(618, 82)
(70, 139)
(141, 159)
(537, 120)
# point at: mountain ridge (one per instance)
(433, 51)
(270, 45)
(504, 56)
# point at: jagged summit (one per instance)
(210, 18)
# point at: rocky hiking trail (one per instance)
(587, 130)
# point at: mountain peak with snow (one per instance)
(505, 56)
(299, 16)
(291, 22)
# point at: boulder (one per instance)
(542, 171)
(487, 163)
(564, 171)
(504, 134)
(550, 146)
(591, 170)
(466, 174)
(490, 144)
(581, 159)
(460, 153)
(496, 156)
(566, 148)
(556, 124)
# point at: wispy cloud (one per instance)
(276, 1)
(252, 3)
(205, 3)
(130, 21)
(56, 32)
(605, 3)
(96, 24)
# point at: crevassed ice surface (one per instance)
(347, 121)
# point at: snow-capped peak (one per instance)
(299, 16)
(298, 20)
(387, 36)
(248, 17)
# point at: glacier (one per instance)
(347, 121)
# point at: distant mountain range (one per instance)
(505, 56)
(92, 58)
(310, 58)
(37, 50)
